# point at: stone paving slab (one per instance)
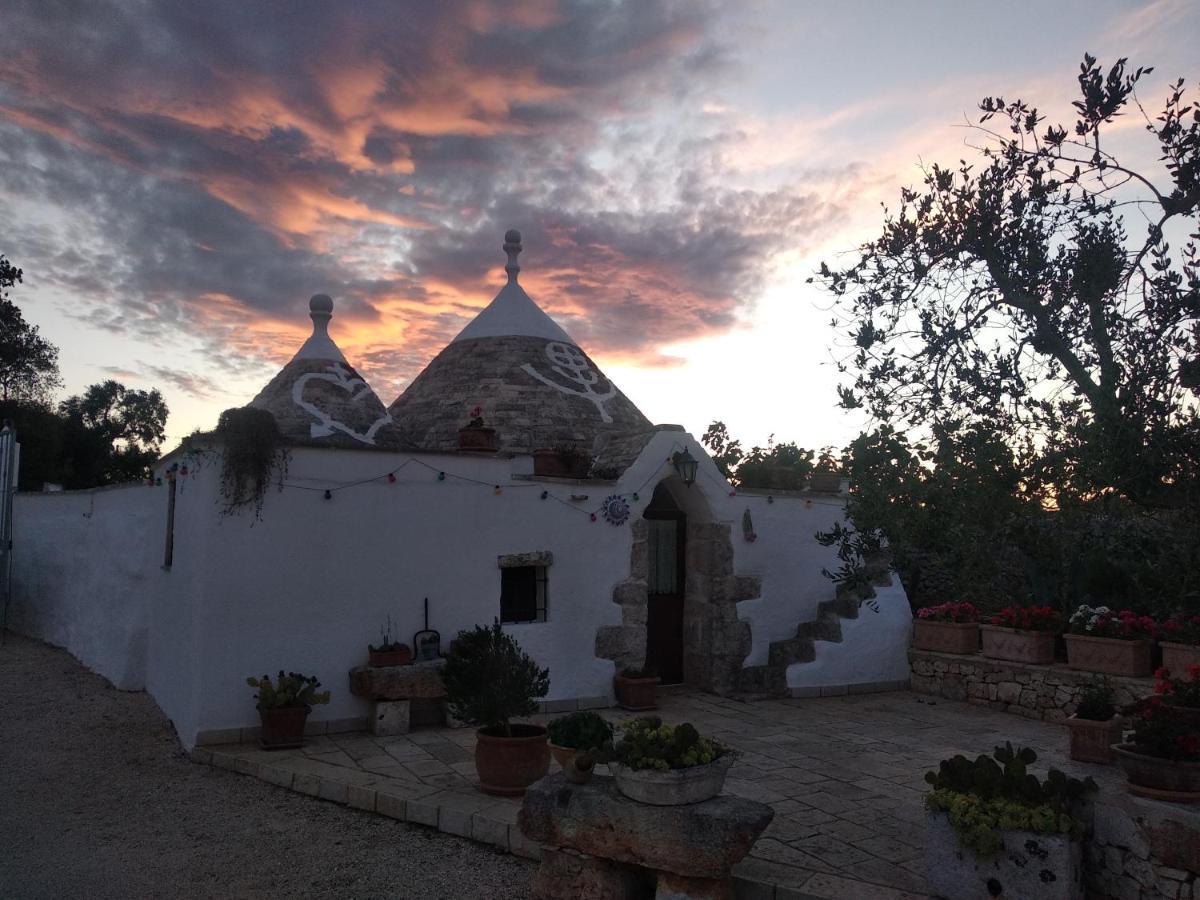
(845, 776)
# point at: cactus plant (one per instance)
(290, 690)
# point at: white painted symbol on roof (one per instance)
(339, 376)
(570, 363)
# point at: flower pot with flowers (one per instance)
(1162, 758)
(1095, 725)
(283, 707)
(477, 436)
(1117, 642)
(948, 628)
(1180, 636)
(1022, 634)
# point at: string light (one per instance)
(770, 499)
(545, 494)
(593, 517)
(328, 494)
(391, 477)
(441, 476)
(496, 490)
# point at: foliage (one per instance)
(490, 680)
(387, 644)
(950, 612)
(1182, 628)
(1100, 621)
(1160, 730)
(253, 452)
(854, 547)
(1028, 618)
(28, 362)
(290, 690)
(778, 467)
(583, 730)
(111, 434)
(646, 743)
(1096, 702)
(985, 794)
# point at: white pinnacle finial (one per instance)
(320, 310)
(512, 246)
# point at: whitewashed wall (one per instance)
(86, 568)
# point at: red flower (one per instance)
(1162, 672)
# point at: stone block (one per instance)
(362, 798)
(488, 830)
(419, 680)
(391, 806)
(565, 873)
(679, 887)
(390, 717)
(422, 812)
(454, 821)
(334, 791)
(630, 593)
(700, 840)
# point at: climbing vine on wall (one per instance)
(253, 454)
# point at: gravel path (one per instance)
(97, 800)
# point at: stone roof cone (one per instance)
(529, 379)
(318, 399)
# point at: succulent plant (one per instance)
(288, 690)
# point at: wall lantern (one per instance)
(685, 465)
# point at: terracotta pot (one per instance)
(1177, 657)
(553, 464)
(1160, 779)
(562, 755)
(945, 637)
(579, 768)
(383, 658)
(1092, 741)
(675, 787)
(508, 765)
(1035, 647)
(636, 694)
(1109, 655)
(1188, 715)
(825, 482)
(477, 439)
(283, 727)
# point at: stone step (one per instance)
(826, 627)
(794, 650)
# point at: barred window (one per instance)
(523, 594)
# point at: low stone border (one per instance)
(1049, 693)
(842, 690)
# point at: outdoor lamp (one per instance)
(686, 465)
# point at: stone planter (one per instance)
(1036, 647)
(380, 659)
(554, 464)
(675, 787)
(1045, 866)
(636, 694)
(1092, 741)
(1109, 655)
(508, 765)
(478, 439)
(945, 637)
(283, 727)
(825, 482)
(1177, 657)
(1157, 778)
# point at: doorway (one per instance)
(666, 534)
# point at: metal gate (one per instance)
(10, 460)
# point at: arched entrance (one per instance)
(666, 585)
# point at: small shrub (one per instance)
(490, 680)
(580, 731)
(646, 743)
(292, 689)
(1095, 702)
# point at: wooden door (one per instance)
(665, 588)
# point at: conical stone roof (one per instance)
(528, 378)
(318, 399)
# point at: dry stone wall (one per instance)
(1144, 850)
(1036, 692)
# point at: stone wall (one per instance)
(1144, 850)
(1036, 692)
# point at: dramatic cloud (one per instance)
(199, 170)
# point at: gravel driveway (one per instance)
(97, 800)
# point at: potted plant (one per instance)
(577, 733)
(636, 689)
(563, 461)
(991, 818)
(489, 680)
(1180, 642)
(390, 652)
(477, 436)
(1162, 758)
(666, 765)
(1022, 634)
(1115, 642)
(283, 707)
(1095, 725)
(947, 628)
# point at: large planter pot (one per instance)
(1188, 715)
(1045, 866)
(1036, 647)
(1177, 657)
(1109, 655)
(1092, 741)
(636, 694)
(945, 637)
(508, 765)
(283, 727)
(477, 439)
(381, 659)
(825, 482)
(676, 787)
(1157, 778)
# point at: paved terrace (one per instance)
(844, 774)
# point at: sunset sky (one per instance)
(177, 178)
